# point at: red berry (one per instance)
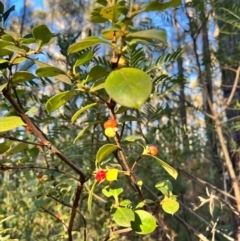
(110, 123)
(100, 175)
(40, 175)
(152, 150)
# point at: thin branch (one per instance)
(229, 100)
(74, 209)
(50, 213)
(18, 140)
(206, 183)
(204, 221)
(39, 134)
(196, 233)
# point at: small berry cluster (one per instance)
(110, 127)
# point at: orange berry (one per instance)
(152, 150)
(28, 128)
(110, 123)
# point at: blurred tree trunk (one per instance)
(228, 56)
(198, 27)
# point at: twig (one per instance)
(39, 134)
(206, 183)
(234, 87)
(74, 208)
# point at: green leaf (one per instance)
(58, 100)
(109, 33)
(3, 61)
(96, 17)
(112, 175)
(85, 43)
(158, 6)
(104, 151)
(114, 12)
(170, 205)
(3, 148)
(7, 37)
(6, 14)
(10, 122)
(84, 58)
(42, 35)
(90, 196)
(112, 190)
(49, 71)
(18, 148)
(115, 190)
(125, 203)
(63, 78)
(32, 110)
(3, 86)
(133, 138)
(4, 52)
(22, 76)
(75, 116)
(144, 222)
(129, 87)
(96, 73)
(15, 49)
(164, 187)
(171, 171)
(149, 34)
(123, 217)
(81, 133)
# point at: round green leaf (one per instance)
(22, 76)
(170, 205)
(123, 216)
(58, 100)
(144, 222)
(42, 35)
(104, 151)
(129, 87)
(10, 122)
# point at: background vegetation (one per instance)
(191, 115)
